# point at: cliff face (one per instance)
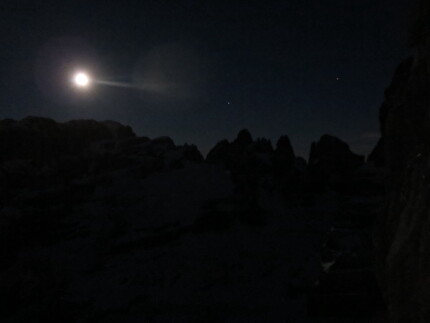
(403, 232)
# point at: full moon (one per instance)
(81, 79)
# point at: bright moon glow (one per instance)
(81, 79)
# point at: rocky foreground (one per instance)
(98, 225)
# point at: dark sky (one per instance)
(214, 67)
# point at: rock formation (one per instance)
(243, 155)
(402, 234)
(42, 140)
(283, 158)
(331, 161)
(377, 155)
(40, 148)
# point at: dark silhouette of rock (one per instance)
(42, 140)
(58, 152)
(243, 138)
(248, 162)
(283, 159)
(377, 155)
(402, 234)
(405, 125)
(255, 163)
(192, 153)
(262, 146)
(331, 160)
(219, 152)
(243, 155)
(283, 146)
(300, 165)
(286, 179)
(118, 131)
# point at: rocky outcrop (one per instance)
(243, 155)
(402, 234)
(243, 139)
(331, 164)
(283, 158)
(40, 150)
(43, 141)
(331, 161)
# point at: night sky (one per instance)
(301, 67)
